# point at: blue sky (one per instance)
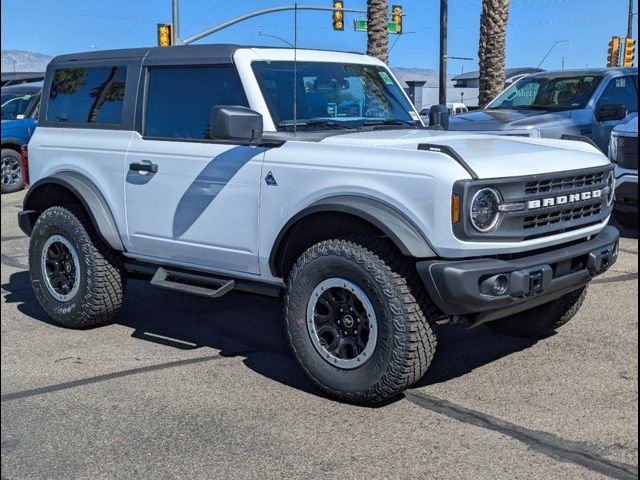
(76, 25)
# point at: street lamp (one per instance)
(552, 47)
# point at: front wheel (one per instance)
(11, 166)
(78, 280)
(541, 321)
(353, 322)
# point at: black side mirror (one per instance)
(611, 112)
(439, 117)
(235, 125)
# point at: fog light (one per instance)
(496, 286)
(500, 285)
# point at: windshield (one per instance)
(333, 96)
(557, 93)
(14, 105)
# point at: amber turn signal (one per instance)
(455, 208)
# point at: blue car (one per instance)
(19, 119)
(588, 103)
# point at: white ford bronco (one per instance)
(307, 174)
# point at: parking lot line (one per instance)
(546, 443)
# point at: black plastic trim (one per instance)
(447, 150)
(146, 271)
(466, 189)
(91, 198)
(402, 232)
(579, 138)
(455, 285)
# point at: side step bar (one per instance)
(146, 271)
(218, 287)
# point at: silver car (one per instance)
(588, 103)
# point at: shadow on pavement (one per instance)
(253, 325)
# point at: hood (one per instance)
(489, 156)
(498, 119)
(628, 129)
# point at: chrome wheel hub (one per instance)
(10, 171)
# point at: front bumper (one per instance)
(626, 190)
(464, 288)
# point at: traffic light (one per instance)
(629, 53)
(165, 35)
(396, 17)
(338, 15)
(613, 56)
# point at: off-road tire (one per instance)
(102, 277)
(406, 342)
(14, 157)
(542, 321)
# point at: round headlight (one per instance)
(611, 183)
(485, 213)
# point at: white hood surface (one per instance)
(490, 156)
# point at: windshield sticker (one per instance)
(621, 82)
(386, 78)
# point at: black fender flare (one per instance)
(91, 198)
(395, 225)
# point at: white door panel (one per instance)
(200, 207)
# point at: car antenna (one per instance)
(295, 69)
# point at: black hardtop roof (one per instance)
(222, 53)
(218, 51)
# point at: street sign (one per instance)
(360, 25)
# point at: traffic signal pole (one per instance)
(257, 13)
(175, 21)
(630, 24)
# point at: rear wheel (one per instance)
(541, 321)
(11, 171)
(78, 280)
(353, 320)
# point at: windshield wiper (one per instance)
(314, 123)
(390, 121)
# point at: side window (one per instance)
(87, 95)
(621, 91)
(179, 99)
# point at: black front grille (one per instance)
(560, 217)
(627, 154)
(562, 184)
(541, 205)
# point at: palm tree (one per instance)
(491, 52)
(377, 35)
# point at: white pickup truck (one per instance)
(214, 168)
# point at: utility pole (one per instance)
(175, 21)
(442, 94)
(630, 24)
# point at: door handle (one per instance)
(144, 167)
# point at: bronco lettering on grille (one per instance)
(564, 199)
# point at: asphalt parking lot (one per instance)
(184, 387)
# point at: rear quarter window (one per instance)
(92, 95)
